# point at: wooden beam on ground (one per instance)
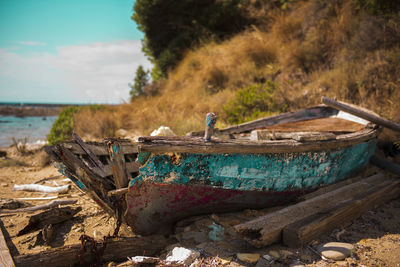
(118, 164)
(385, 164)
(267, 229)
(117, 249)
(5, 256)
(303, 231)
(362, 113)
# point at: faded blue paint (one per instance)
(64, 171)
(276, 172)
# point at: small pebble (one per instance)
(336, 250)
(248, 257)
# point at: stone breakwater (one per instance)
(30, 111)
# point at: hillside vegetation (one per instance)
(289, 57)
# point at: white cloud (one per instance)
(31, 43)
(98, 72)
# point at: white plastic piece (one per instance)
(41, 188)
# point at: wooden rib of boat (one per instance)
(262, 163)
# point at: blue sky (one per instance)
(81, 51)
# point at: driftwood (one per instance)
(53, 216)
(116, 249)
(267, 229)
(41, 188)
(5, 256)
(310, 228)
(385, 164)
(158, 144)
(362, 113)
(51, 204)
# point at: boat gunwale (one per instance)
(198, 145)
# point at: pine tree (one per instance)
(140, 82)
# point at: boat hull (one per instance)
(154, 207)
(173, 186)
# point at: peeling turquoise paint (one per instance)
(275, 172)
(64, 171)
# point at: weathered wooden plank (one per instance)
(95, 186)
(130, 167)
(5, 256)
(299, 115)
(76, 166)
(303, 114)
(198, 145)
(310, 228)
(101, 149)
(385, 164)
(267, 229)
(362, 113)
(89, 152)
(298, 136)
(117, 249)
(118, 164)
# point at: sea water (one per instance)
(35, 129)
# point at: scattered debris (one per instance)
(48, 233)
(41, 188)
(181, 255)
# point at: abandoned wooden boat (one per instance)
(257, 164)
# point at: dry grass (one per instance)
(315, 48)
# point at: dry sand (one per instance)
(376, 235)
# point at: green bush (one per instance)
(63, 127)
(253, 102)
(171, 27)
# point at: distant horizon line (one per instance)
(32, 103)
